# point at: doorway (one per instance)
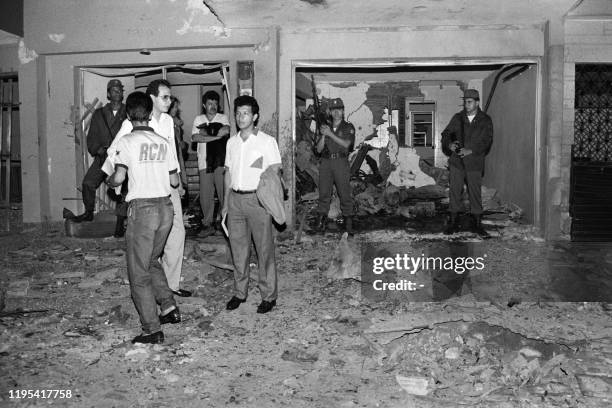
(591, 171)
(189, 82)
(427, 95)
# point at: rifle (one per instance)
(320, 117)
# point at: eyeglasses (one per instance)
(165, 97)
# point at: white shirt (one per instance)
(149, 161)
(163, 127)
(247, 159)
(471, 117)
(203, 119)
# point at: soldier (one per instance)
(334, 146)
(105, 123)
(467, 140)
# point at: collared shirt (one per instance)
(203, 119)
(149, 161)
(248, 159)
(346, 131)
(163, 127)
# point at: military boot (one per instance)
(477, 227)
(452, 225)
(120, 227)
(86, 216)
(322, 223)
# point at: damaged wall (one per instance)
(401, 43)
(510, 165)
(449, 101)
(184, 33)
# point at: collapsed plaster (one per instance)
(58, 38)
(405, 161)
(197, 8)
(25, 54)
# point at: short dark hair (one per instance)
(212, 95)
(138, 106)
(153, 87)
(247, 100)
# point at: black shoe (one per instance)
(120, 227)
(322, 223)
(153, 338)
(265, 306)
(234, 303)
(182, 293)
(173, 317)
(453, 224)
(478, 229)
(86, 216)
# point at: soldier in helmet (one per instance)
(334, 146)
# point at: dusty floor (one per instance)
(507, 341)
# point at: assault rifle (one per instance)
(320, 116)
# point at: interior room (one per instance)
(422, 100)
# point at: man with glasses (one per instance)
(163, 124)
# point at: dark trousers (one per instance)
(246, 218)
(338, 172)
(92, 180)
(149, 223)
(473, 180)
(209, 183)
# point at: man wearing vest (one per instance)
(210, 131)
(466, 141)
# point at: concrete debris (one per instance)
(346, 262)
(408, 173)
(299, 356)
(592, 386)
(413, 385)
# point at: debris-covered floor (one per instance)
(496, 338)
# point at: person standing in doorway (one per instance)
(249, 154)
(466, 141)
(334, 147)
(159, 91)
(210, 131)
(150, 162)
(105, 123)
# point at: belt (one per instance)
(244, 191)
(338, 155)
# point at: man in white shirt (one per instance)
(211, 142)
(249, 153)
(152, 168)
(163, 124)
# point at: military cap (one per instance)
(471, 94)
(114, 83)
(336, 103)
